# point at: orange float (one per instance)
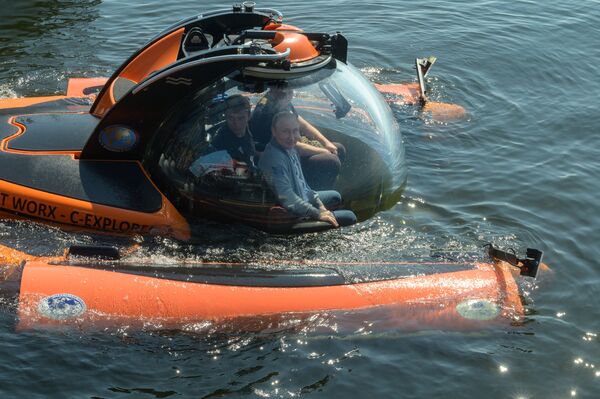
(95, 293)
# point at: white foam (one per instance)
(7, 92)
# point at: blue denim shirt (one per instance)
(283, 174)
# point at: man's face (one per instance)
(282, 96)
(287, 132)
(237, 121)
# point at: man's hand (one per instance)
(327, 216)
(312, 132)
(329, 146)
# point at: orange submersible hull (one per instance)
(445, 295)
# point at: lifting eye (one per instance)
(195, 40)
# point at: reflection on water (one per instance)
(43, 42)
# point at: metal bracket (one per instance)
(423, 66)
(529, 265)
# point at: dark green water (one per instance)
(521, 171)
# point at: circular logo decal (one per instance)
(118, 138)
(478, 309)
(61, 306)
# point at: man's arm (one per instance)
(296, 205)
(280, 180)
(312, 132)
(306, 150)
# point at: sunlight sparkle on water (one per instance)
(589, 336)
(503, 369)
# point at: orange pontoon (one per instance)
(90, 292)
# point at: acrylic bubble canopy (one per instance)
(338, 100)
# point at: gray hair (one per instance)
(282, 115)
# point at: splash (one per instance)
(6, 91)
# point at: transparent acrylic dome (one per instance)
(338, 101)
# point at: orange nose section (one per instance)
(288, 36)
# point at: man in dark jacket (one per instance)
(234, 136)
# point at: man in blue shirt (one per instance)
(321, 162)
(280, 165)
